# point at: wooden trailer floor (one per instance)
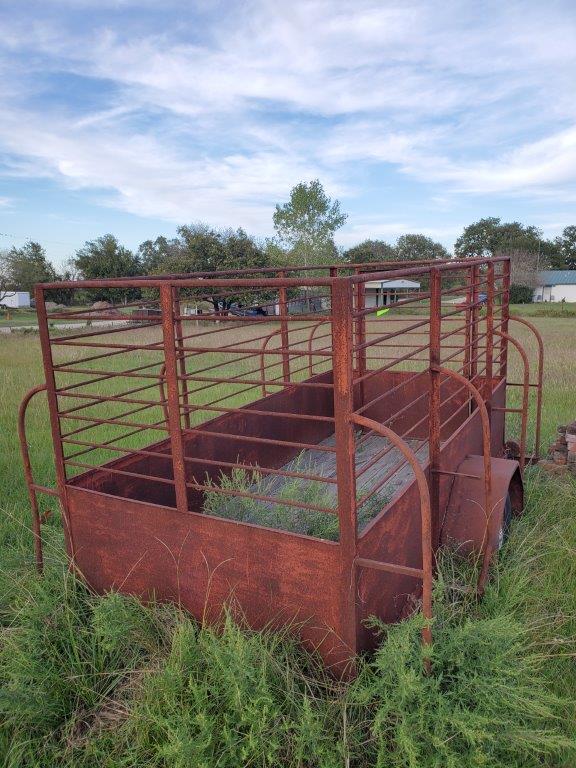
(286, 516)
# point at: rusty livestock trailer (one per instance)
(303, 466)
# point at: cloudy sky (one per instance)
(133, 117)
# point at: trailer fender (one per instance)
(466, 523)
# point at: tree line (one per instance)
(305, 227)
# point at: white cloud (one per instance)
(217, 118)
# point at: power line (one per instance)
(37, 240)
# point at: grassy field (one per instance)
(103, 681)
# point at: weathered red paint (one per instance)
(434, 386)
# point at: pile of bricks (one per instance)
(562, 454)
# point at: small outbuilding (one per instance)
(556, 285)
(382, 293)
(16, 299)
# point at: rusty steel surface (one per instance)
(270, 437)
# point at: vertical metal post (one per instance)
(345, 450)
(434, 402)
(474, 316)
(360, 325)
(505, 317)
(489, 339)
(174, 425)
(181, 357)
(52, 396)
(284, 333)
(468, 329)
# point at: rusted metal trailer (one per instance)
(302, 467)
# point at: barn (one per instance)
(556, 285)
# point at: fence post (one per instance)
(174, 425)
(345, 449)
(434, 424)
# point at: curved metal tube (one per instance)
(525, 394)
(486, 451)
(262, 367)
(310, 340)
(163, 392)
(539, 378)
(425, 513)
(32, 487)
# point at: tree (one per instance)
(26, 266)
(524, 268)
(566, 248)
(369, 251)
(307, 223)
(198, 248)
(419, 248)
(490, 236)
(5, 287)
(105, 258)
(152, 253)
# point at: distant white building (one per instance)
(382, 293)
(16, 299)
(555, 285)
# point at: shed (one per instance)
(16, 299)
(382, 293)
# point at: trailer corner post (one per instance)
(345, 451)
(51, 393)
(174, 423)
(434, 427)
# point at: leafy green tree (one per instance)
(198, 248)
(478, 239)
(369, 251)
(104, 258)
(306, 224)
(419, 248)
(566, 249)
(5, 287)
(24, 267)
(490, 236)
(152, 253)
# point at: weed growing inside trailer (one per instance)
(225, 502)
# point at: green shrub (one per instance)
(521, 294)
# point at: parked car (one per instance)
(240, 311)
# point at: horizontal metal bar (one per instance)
(403, 570)
(45, 489)
(454, 474)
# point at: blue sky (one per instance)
(133, 117)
